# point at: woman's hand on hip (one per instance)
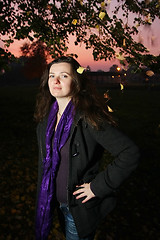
(84, 191)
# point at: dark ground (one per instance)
(136, 216)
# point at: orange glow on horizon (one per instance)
(85, 57)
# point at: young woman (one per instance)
(74, 128)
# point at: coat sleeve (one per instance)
(41, 128)
(126, 156)
(40, 157)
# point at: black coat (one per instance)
(86, 149)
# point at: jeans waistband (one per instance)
(63, 204)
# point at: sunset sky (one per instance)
(149, 36)
(85, 57)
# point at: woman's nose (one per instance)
(56, 80)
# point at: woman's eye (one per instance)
(51, 76)
(64, 76)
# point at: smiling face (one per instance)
(60, 79)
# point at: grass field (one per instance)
(137, 213)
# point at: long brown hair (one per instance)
(85, 98)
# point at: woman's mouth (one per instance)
(57, 88)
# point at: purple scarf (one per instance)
(50, 164)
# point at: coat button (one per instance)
(75, 154)
(77, 144)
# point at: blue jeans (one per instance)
(70, 228)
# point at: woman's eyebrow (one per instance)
(60, 73)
